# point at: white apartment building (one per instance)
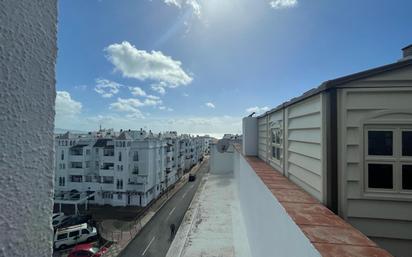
(122, 169)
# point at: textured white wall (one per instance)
(27, 92)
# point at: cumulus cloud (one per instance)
(107, 88)
(257, 109)
(65, 105)
(193, 4)
(132, 106)
(281, 4)
(210, 105)
(143, 65)
(159, 88)
(137, 91)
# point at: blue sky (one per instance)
(197, 66)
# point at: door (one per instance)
(74, 237)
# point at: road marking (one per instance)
(183, 196)
(191, 186)
(170, 213)
(147, 248)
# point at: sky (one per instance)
(199, 66)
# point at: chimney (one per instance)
(407, 52)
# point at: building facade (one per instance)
(348, 143)
(127, 168)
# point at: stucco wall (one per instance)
(27, 61)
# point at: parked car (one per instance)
(74, 235)
(192, 177)
(87, 250)
(75, 220)
(58, 218)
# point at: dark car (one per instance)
(75, 220)
(192, 177)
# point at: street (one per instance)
(155, 238)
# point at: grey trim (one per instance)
(337, 83)
(332, 151)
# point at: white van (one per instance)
(74, 235)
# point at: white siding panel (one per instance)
(311, 150)
(308, 135)
(305, 175)
(308, 188)
(378, 209)
(311, 105)
(304, 144)
(305, 122)
(387, 228)
(309, 163)
(383, 216)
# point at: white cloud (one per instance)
(193, 4)
(67, 109)
(280, 4)
(137, 91)
(152, 102)
(159, 88)
(65, 105)
(185, 94)
(257, 109)
(106, 88)
(127, 105)
(210, 105)
(143, 65)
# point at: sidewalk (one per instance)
(121, 238)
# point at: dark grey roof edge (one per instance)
(408, 46)
(334, 83)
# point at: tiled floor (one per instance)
(330, 234)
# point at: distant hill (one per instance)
(62, 131)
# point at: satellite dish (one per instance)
(223, 145)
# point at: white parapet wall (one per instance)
(250, 136)
(270, 230)
(221, 162)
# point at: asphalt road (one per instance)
(154, 239)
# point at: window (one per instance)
(120, 156)
(407, 177)
(76, 178)
(88, 178)
(85, 232)
(407, 143)
(380, 176)
(136, 170)
(388, 159)
(119, 196)
(108, 180)
(87, 164)
(62, 181)
(87, 151)
(276, 141)
(62, 236)
(76, 165)
(119, 184)
(380, 143)
(62, 156)
(136, 156)
(74, 233)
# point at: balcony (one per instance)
(253, 210)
